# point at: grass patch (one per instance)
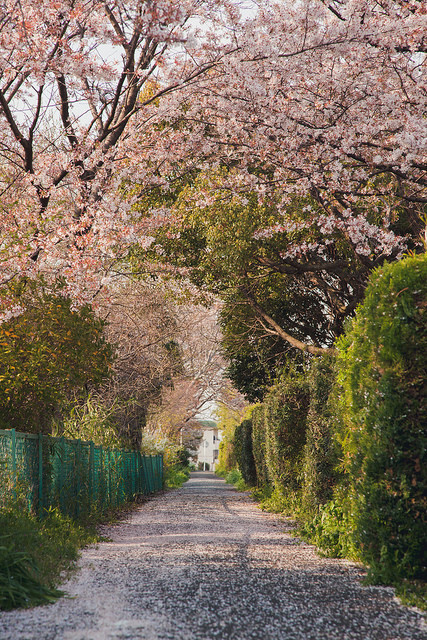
(412, 593)
(235, 478)
(35, 554)
(175, 476)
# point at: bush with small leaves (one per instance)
(50, 354)
(383, 376)
(244, 452)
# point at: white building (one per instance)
(208, 451)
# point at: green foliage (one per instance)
(285, 423)
(382, 362)
(278, 434)
(183, 455)
(256, 358)
(244, 452)
(277, 500)
(258, 445)
(48, 354)
(176, 475)
(218, 241)
(176, 458)
(34, 553)
(235, 477)
(320, 453)
(90, 420)
(227, 422)
(19, 586)
(330, 529)
(412, 593)
(177, 468)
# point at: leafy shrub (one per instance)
(330, 529)
(228, 420)
(33, 554)
(382, 361)
(89, 420)
(48, 353)
(175, 458)
(183, 456)
(244, 452)
(320, 454)
(235, 477)
(258, 445)
(19, 585)
(285, 422)
(279, 500)
(176, 475)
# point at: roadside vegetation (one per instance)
(177, 469)
(36, 555)
(339, 444)
(220, 215)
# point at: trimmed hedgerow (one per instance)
(382, 372)
(285, 422)
(320, 452)
(244, 452)
(258, 445)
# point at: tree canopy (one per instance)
(300, 162)
(273, 159)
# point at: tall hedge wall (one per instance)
(382, 371)
(244, 452)
(258, 444)
(320, 454)
(285, 421)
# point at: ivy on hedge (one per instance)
(320, 452)
(286, 407)
(258, 445)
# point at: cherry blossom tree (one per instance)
(73, 76)
(317, 101)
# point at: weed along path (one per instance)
(203, 562)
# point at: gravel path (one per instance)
(203, 562)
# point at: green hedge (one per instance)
(320, 454)
(286, 407)
(382, 372)
(258, 444)
(344, 446)
(269, 446)
(244, 452)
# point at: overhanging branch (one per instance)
(294, 342)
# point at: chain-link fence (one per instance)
(74, 476)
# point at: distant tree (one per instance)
(140, 320)
(200, 383)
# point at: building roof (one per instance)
(208, 424)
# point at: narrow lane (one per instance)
(202, 563)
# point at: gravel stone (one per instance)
(204, 563)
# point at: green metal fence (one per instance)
(74, 476)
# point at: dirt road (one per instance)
(203, 562)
